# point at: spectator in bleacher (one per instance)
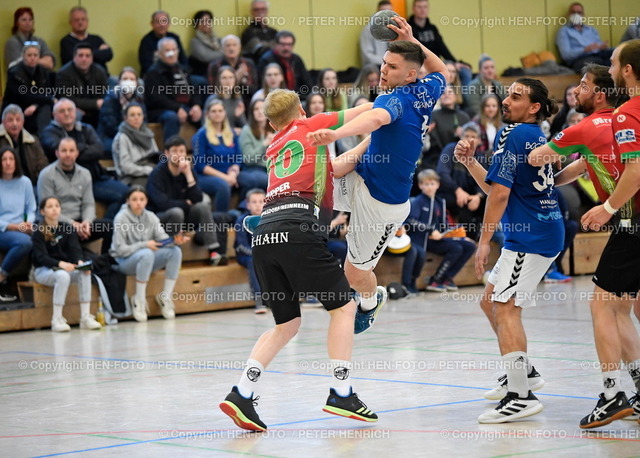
(367, 83)
(23, 33)
(85, 82)
(135, 152)
(147, 54)
(138, 248)
(218, 159)
(314, 105)
(27, 147)
(79, 22)
(446, 125)
(568, 104)
(244, 68)
(56, 256)
(174, 195)
(205, 45)
(427, 227)
(37, 100)
(129, 89)
(258, 37)
(579, 43)
(71, 184)
(489, 120)
(484, 83)
(334, 98)
(242, 245)
(427, 34)
(631, 33)
(372, 50)
(254, 140)
(295, 72)
(348, 143)
(169, 93)
(454, 81)
(90, 150)
(228, 91)
(272, 79)
(17, 214)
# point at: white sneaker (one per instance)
(139, 310)
(89, 322)
(512, 408)
(167, 306)
(59, 325)
(535, 383)
(635, 403)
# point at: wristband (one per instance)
(608, 208)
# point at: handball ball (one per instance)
(378, 25)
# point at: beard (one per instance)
(586, 108)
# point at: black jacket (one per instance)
(83, 89)
(431, 39)
(64, 247)
(168, 191)
(157, 90)
(37, 80)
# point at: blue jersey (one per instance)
(533, 222)
(388, 165)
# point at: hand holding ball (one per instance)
(378, 25)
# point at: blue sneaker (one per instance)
(556, 277)
(364, 320)
(251, 222)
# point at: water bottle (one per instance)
(100, 314)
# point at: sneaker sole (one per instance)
(523, 414)
(617, 416)
(634, 417)
(347, 414)
(238, 417)
(495, 397)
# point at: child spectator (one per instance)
(57, 256)
(427, 226)
(255, 202)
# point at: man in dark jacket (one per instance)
(79, 22)
(295, 73)
(258, 37)
(159, 29)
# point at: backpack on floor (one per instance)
(397, 290)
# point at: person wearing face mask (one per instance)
(579, 43)
(127, 90)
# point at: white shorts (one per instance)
(518, 274)
(373, 223)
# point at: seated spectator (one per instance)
(179, 105)
(17, 214)
(71, 184)
(490, 122)
(258, 37)
(315, 105)
(372, 50)
(205, 45)
(27, 147)
(129, 89)
(56, 257)
(85, 82)
(254, 140)
(218, 159)
(484, 83)
(79, 22)
(36, 102)
(334, 98)
(271, 80)
(90, 150)
(295, 72)
(446, 125)
(631, 33)
(242, 245)
(160, 22)
(573, 118)
(348, 143)
(135, 152)
(568, 104)
(228, 91)
(454, 81)
(23, 33)
(367, 83)
(138, 249)
(579, 43)
(244, 68)
(174, 195)
(427, 227)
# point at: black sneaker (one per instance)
(241, 411)
(634, 401)
(607, 411)
(512, 407)
(535, 383)
(350, 407)
(5, 294)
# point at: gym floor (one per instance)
(152, 389)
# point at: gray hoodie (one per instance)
(131, 233)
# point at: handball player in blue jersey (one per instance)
(534, 236)
(377, 192)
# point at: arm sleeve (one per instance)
(505, 163)
(568, 141)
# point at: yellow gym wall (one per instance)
(327, 30)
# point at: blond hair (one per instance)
(281, 107)
(212, 134)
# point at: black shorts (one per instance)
(291, 263)
(618, 271)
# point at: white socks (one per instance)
(141, 291)
(516, 364)
(341, 383)
(249, 378)
(369, 303)
(57, 311)
(85, 309)
(169, 284)
(611, 382)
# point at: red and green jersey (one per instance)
(300, 175)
